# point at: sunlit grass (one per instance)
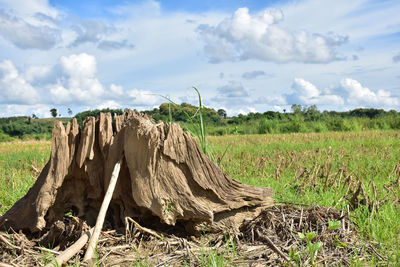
(274, 161)
(18, 164)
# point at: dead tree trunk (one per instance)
(163, 176)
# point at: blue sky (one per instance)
(243, 56)
(96, 9)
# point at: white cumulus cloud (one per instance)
(142, 98)
(39, 74)
(72, 82)
(109, 104)
(14, 89)
(306, 93)
(359, 95)
(40, 110)
(245, 36)
(116, 89)
(78, 82)
(349, 93)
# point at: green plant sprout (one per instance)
(200, 129)
(333, 225)
(312, 247)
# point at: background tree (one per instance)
(311, 113)
(53, 112)
(296, 109)
(69, 112)
(222, 113)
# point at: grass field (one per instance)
(314, 168)
(326, 169)
(19, 166)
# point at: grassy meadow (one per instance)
(309, 168)
(326, 169)
(20, 163)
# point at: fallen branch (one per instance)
(71, 251)
(47, 250)
(35, 169)
(143, 229)
(272, 245)
(322, 260)
(102, 213)
(5, 241)
(377, 253)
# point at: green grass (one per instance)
(196, 125)
(275, 160)
(18, 161)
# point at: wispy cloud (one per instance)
(253, 74)
(232, 90)
(44, 28)
(115, 45)
(98, 32)
(26, 35)
(396, 58)
(91, 31)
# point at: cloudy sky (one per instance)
(243, 56)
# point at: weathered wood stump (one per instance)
(163, 176)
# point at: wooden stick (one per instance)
(71, 251)
(48, 250)
(5, 241)
(272, 245)
(102, 213)
(142, 228)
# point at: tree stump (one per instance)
(164, 177)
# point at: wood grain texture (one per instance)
(164, 176)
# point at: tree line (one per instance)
(297, 119)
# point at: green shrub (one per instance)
(335, 124)
(268, 126)
(219, 132)
(297, 125)
(393, 121)
(320, 127)
(5, 137)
